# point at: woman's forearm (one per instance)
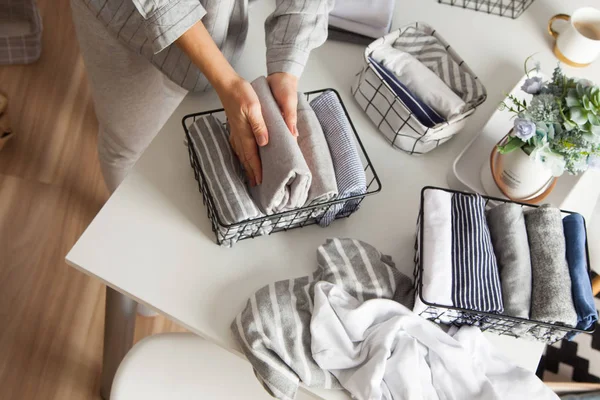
(202, 50)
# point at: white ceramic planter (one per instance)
(519, 177)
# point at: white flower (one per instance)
(551, 160)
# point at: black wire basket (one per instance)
(227, 234)
(504, 8)
(490, 322)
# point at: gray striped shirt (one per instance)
(150, 27)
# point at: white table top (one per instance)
(153, 242)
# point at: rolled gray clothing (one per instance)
(286, 178)
(551, 298)
(313, 145)
(509, 238)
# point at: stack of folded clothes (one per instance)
(348, 326)
(430, 83)
(529, 264)
(322, 165)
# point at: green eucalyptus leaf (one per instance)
(586, 103)
(593, 119)
(580, 90)
(513, 144)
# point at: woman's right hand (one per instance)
(246, 124)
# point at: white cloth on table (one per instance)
(421, 81)
(437, 250)
(371, 18)
(379, 349)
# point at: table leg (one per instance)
(119, 327)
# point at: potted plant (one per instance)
(558, 130)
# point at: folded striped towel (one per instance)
(273, 330)
(224, 177)
(349, 171)
(427, 49)
(474, 268)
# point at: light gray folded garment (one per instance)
(313, 145)
(286, 177)
(551, 298)
(509, 238)
(224, 178)
(273, 330)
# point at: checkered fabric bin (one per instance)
(389, 113)
(20, 32)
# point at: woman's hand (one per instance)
(284, 87)
(246, 125)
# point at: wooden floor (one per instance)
(50, 190)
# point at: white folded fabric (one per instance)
(437, 250)
(357, 27)
(421, 81)
(371, 18)
(379, 350)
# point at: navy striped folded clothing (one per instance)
(476, 283)
(273, 330)
(224, 178)
(425, 114)
(428, 49)
(349, 170)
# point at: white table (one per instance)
(152, 241)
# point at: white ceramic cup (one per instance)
(579, 44)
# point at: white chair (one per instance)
(183, 366)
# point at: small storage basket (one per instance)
(20, 32)
(298, 218)
(388, 112)
(496, 323)
(504, 8)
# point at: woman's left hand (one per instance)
(284, 87)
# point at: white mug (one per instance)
(579, 44)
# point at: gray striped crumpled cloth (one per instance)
(433, 54)
(225, 180)
(273, 330)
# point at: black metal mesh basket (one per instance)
(308, 215)
(496, 323)
(504, 8)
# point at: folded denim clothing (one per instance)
(313, 145)
(224, 178)
(286, 177)
(348, 167)
(273, 329)
(551, 295)
(368, 18)
(509, 237)
(436, 280)
(434, 55)
(425, 114)
(583, 298)
(421, 81)
(474, 268)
